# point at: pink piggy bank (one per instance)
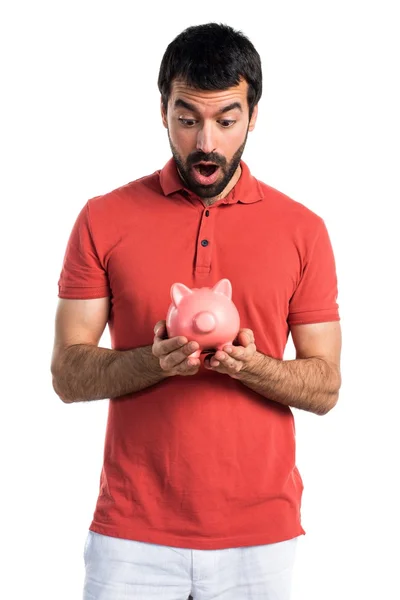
(204, 315)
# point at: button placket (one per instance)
(204, 242)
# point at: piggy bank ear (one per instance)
(178, 291)
(223, 286)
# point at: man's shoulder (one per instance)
(136, 189)
(283, 204)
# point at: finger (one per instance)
(242, 353)
(220, 358)
(160, 329)
(221, 355)
(236, 352)
(163, 347)
(190, 366)
(207, 360)
(246, 337)
(232, 358)
(174, 358)
(222, 363)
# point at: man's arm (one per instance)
(310, 382)
(82, 371)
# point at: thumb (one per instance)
(159, 327)
(246, 337)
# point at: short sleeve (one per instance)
(82, 275)
(315, 298)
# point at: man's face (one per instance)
(207, 131)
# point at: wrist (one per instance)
(253, 367)
(148, 365)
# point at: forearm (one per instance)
(310, 384)
(86, 372)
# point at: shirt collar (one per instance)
(246, 190)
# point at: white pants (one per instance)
(120, 569)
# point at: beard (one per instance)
(227, 169)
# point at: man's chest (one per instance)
(260, 259)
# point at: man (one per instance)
(199, 491)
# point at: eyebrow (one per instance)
(179, 103)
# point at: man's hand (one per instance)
(234, 358)
(173, 353)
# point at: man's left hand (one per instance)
(234, 358)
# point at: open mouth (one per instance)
(205, 173)
(206, 169)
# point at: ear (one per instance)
(224, 287)
(163, 114)
(253, 119)
(179, 291)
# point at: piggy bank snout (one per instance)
(204, 322)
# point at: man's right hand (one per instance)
(173, 353)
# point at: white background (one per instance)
(79, 117)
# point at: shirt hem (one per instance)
(193, 543)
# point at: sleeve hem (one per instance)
(309, 318)
(81, 293)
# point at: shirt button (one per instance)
(204, 243)
(207, 213)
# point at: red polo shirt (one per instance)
(200, 462)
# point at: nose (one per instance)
(206, 141)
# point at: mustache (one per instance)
(199, 156)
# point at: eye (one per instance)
(226, 123)
(187, 122)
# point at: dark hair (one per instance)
(211, 57)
